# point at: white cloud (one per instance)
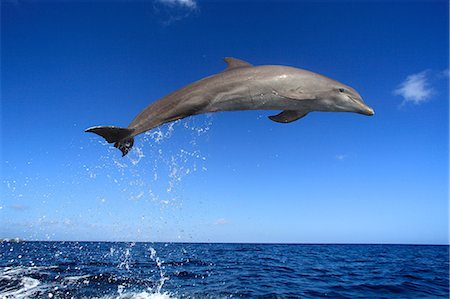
(186, 3)
(341, 157)
(170, 11)
(416, 88)
(221, 221)
(68, 222)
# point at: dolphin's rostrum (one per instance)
(242, 86)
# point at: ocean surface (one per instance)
(190, 270)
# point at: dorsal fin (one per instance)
(233, 63)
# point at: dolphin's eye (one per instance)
(341, 89)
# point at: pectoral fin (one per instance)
(287, 116)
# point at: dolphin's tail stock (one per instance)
(121, 137)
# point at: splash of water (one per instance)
(17, 283)
(23, 285)
(162, 274)
(159, 161)
(126, 257)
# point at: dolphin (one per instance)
(242, 86)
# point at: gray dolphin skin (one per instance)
(242, 86)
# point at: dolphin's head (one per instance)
(345, 98)
(330, 94)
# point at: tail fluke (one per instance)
(121, 137)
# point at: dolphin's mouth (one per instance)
(369, 111)
(362, 108)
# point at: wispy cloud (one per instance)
(19, 207)
(186, 3)
(341, 157)
(416, 88)
(221, 221)
(170, 11)
(445, 73)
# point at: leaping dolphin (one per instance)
(242, 86)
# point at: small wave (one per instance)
(25, 288)
(16, 282)
(191, 262)
(187, 274)
(75, 278)
(19, 270)
(139, 295)
(111, 278)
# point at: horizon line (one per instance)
(18, 240)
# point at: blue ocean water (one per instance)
(190, 270)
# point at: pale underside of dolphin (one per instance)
(242, 86)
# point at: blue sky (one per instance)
(226, 177)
